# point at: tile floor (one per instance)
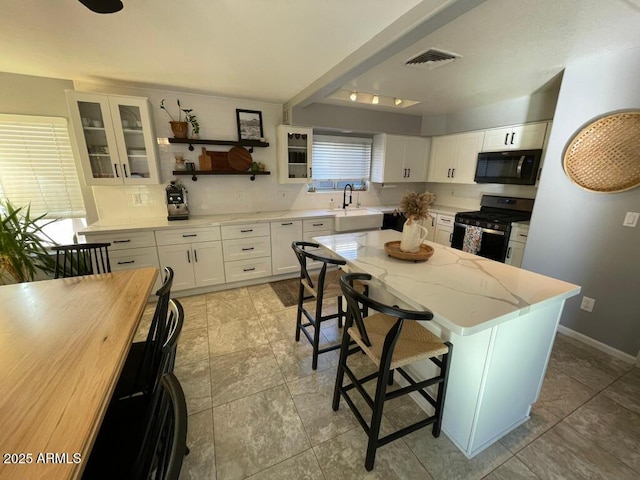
(258, 411)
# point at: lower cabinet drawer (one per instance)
(244, 248)
(133, 258)
(123, 241)
(247, 269)
(245, 231)
(317, 224)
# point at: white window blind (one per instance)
(37, 166)
(341, 158)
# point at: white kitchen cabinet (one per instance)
(195, 263)
(399, 158)
(115, 139)
(247, 251)
(294, 147)
(453, 158)
(517, 241)
(516, 137)
(130, 250)
(283, 259)
(316, 227)
(430, 224)
(444, 229)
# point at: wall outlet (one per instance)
(631, 219)
(587, 304)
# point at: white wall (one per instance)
(577, 235)
(220, 194)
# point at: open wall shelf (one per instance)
(194, 173)
(250, 144)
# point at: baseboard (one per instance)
(614, 352)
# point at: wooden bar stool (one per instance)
(324, 284)
(392, 339)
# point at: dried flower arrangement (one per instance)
(416, 205)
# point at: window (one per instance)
(37, 166)
(340, 160)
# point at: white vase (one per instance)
(412, 236)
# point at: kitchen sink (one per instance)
(351, 220)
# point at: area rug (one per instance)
(287, 291)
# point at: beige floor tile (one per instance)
(539, 422)
(343, 458)
(243, 373)
(196, 382)
(313, 397)
(267, 302)
(593, 368)
(512, 469)
(227, 295)
(626, 391)
(256, 432)
(200, 464)
(193, 346)
(193, 301)
(227, 311)
(294, 358)
(303, 466)
(561, 394)
(563, 454)
(280, 325)
(445, 462)
(613, 427)
(195, 316)
(260, 289)
(235, 336)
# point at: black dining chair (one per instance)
(141, 433)
(392, 338)
(81, 259)
(143, 360)
(318, 286)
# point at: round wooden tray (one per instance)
(393, 250)
(239, 159)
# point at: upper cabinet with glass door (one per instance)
(115, 139)
(294, 154)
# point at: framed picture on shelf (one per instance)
(249, 124)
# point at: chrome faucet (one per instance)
(344, 195)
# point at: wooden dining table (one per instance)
(63, 344)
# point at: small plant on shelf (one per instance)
(180, 126)
(195, 126)
(416, 205)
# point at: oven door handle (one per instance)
(519, 167)
(484, 230)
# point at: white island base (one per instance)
(500, 319)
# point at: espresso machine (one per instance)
(177, 208)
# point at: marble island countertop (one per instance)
(130, 225)
(466, 293)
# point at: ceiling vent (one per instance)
(432, 58)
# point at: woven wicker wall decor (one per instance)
(604, 156)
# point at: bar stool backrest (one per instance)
(355, 299)
(82, 259)
(299, 248)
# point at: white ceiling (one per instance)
(300, 51)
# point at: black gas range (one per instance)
(491, 225)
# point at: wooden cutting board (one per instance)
(239, 159)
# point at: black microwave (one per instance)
(516, 167)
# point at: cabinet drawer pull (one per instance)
(408, 172)
(124, 263)
(247, 249)
(449, 173)
(509, 252)
(188, 257)
(190, 235)
(318, 224)
(288, 223)
(506, 139)
(246, 231)
(115, 166)
(122, 241)
(249, 269)
(124, 169)
(453, 172)
(195, 256)
(513, 136)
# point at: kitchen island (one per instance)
(500, 319)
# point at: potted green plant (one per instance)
(180, 127)
(24, 247)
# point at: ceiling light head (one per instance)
(397, 102)
(354, 96)
(375, 100)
